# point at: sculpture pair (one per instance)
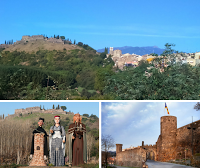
(57, 141)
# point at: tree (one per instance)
(197, 106)
(74, 41)
(58, 106)
(90, 143)
(107, 143)
(54, 36)
(62, 37)
(63, 107)
(86, 115)
(3, 116)
(80, 44)
(5, 41)
(53, 106)
(106, 50)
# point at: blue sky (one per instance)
(81, 107)
(131, 123)
(106, 23)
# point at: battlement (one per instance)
(37, 109)
(32, 38)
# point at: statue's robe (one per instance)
(56, 145)
(39, 130)
(77, 146)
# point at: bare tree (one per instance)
(90, 143)
(197, 106)
(15, 141)
(107, 143)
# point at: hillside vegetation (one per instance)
(84, 74)
(34, 46)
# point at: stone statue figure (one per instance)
(57, 143)
(39, 129)
(77, 142)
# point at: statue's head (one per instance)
(41, 122)
(57, 119)
(77, 118)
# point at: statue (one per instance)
(39, 129)
(57, 143)
(77, 142)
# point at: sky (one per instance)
(76, 107)
(105, 23)
(130, 123)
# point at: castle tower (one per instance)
(118, 148)
(111, 51)
(168, 129)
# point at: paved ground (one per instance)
(154, 164)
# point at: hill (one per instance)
(137, 50)
(34, 46)
(92, 124)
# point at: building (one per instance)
(173, 143)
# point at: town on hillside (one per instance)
(126, 60)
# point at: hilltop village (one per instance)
(127, 59)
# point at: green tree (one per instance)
(86, 115)
(63, 107)
(62, 37)
(74, 41)
(53, 106)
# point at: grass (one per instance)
(40, 44)
(89, 165)
(11, 166)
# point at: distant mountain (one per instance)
(137, 50)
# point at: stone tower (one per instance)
(111, 51)
(118, 148)
(168, 127)
(38, 157)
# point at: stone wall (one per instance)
(54, 40)
(131, 157)
(174, 143)
(184, 140)
(32, 38)
(37, 109)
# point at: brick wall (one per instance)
(38, 157)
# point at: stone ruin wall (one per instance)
(131, 158)
(54, 40)
(37, 109)
(32, 38)
(27, 110)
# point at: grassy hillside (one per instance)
(92, 124)
(34, 46)
(50, 74)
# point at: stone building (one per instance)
(122, 59)
(130, 158)
(173, 143)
